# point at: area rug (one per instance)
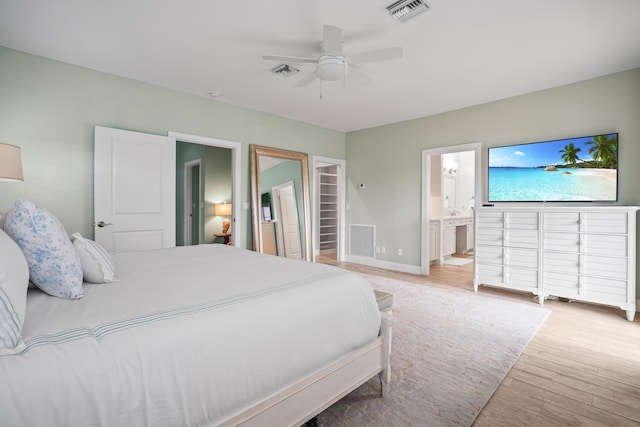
(451, 350)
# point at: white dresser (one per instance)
(580, 253)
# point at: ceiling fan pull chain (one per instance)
(320, 89)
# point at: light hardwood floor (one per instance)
(582, 368)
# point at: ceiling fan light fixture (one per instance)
(404, 10)
(331, 68)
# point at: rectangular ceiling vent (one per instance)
(284, 70)
(406, 9)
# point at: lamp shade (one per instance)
(10, 163)
(223, 209)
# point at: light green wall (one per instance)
(218, 186)
(49, 109)
(388, 158)
(185, 152)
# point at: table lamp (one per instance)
(10, 163)
(223, 209)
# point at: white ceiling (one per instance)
(457, 54)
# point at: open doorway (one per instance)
(451, 178)
(329, 209)
(220, 183)
(203, 181)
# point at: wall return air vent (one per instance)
(406, 9)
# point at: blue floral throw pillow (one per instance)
(54, 265)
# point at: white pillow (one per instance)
(97, 265)
(54, 265)
(14, 280)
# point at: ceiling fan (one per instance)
(332, 64)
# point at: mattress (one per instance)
(188, 336)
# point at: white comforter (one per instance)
(188, 336)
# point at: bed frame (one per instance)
(303, 400)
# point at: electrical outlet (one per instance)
(399, 252)
(377, 249)
(384, 250)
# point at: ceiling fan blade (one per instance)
(332, 40)
(288, 58)
(376, 55)
(358, 77)
(308, 79)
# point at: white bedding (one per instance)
(187, 337)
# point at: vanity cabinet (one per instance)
(434, 240)
(448, 237)
(464, 236)
(457, 236)
(580, 253)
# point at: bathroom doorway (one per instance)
(451, 178)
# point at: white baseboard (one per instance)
(387, 265)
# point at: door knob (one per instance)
(102, 224)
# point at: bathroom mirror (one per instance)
(280, 202)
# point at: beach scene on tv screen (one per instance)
(576, 169)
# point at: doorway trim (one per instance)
(320, 162)
(188, 201)
(425, 205)
(236, 167)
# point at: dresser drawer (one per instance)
(522, 220)
(490, 255)
(562, 262)
(601, 266)
(490, 236)
(561, 221)
(519, 257)
(562, 285)
(607, 245)
(592, 244)
(490, 219)
(604, 222)
(489, 274)
(521, 278)
(604, 290)
(589, 222)
(521, 238)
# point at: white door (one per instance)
(289, 222)
(134, 190)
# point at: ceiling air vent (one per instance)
(406, 9)
(284, 70)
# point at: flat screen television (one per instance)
(583, 169)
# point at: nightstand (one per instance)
(227, 240)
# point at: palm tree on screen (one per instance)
(570, 154)
(605, 150)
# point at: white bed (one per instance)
(199, 335)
